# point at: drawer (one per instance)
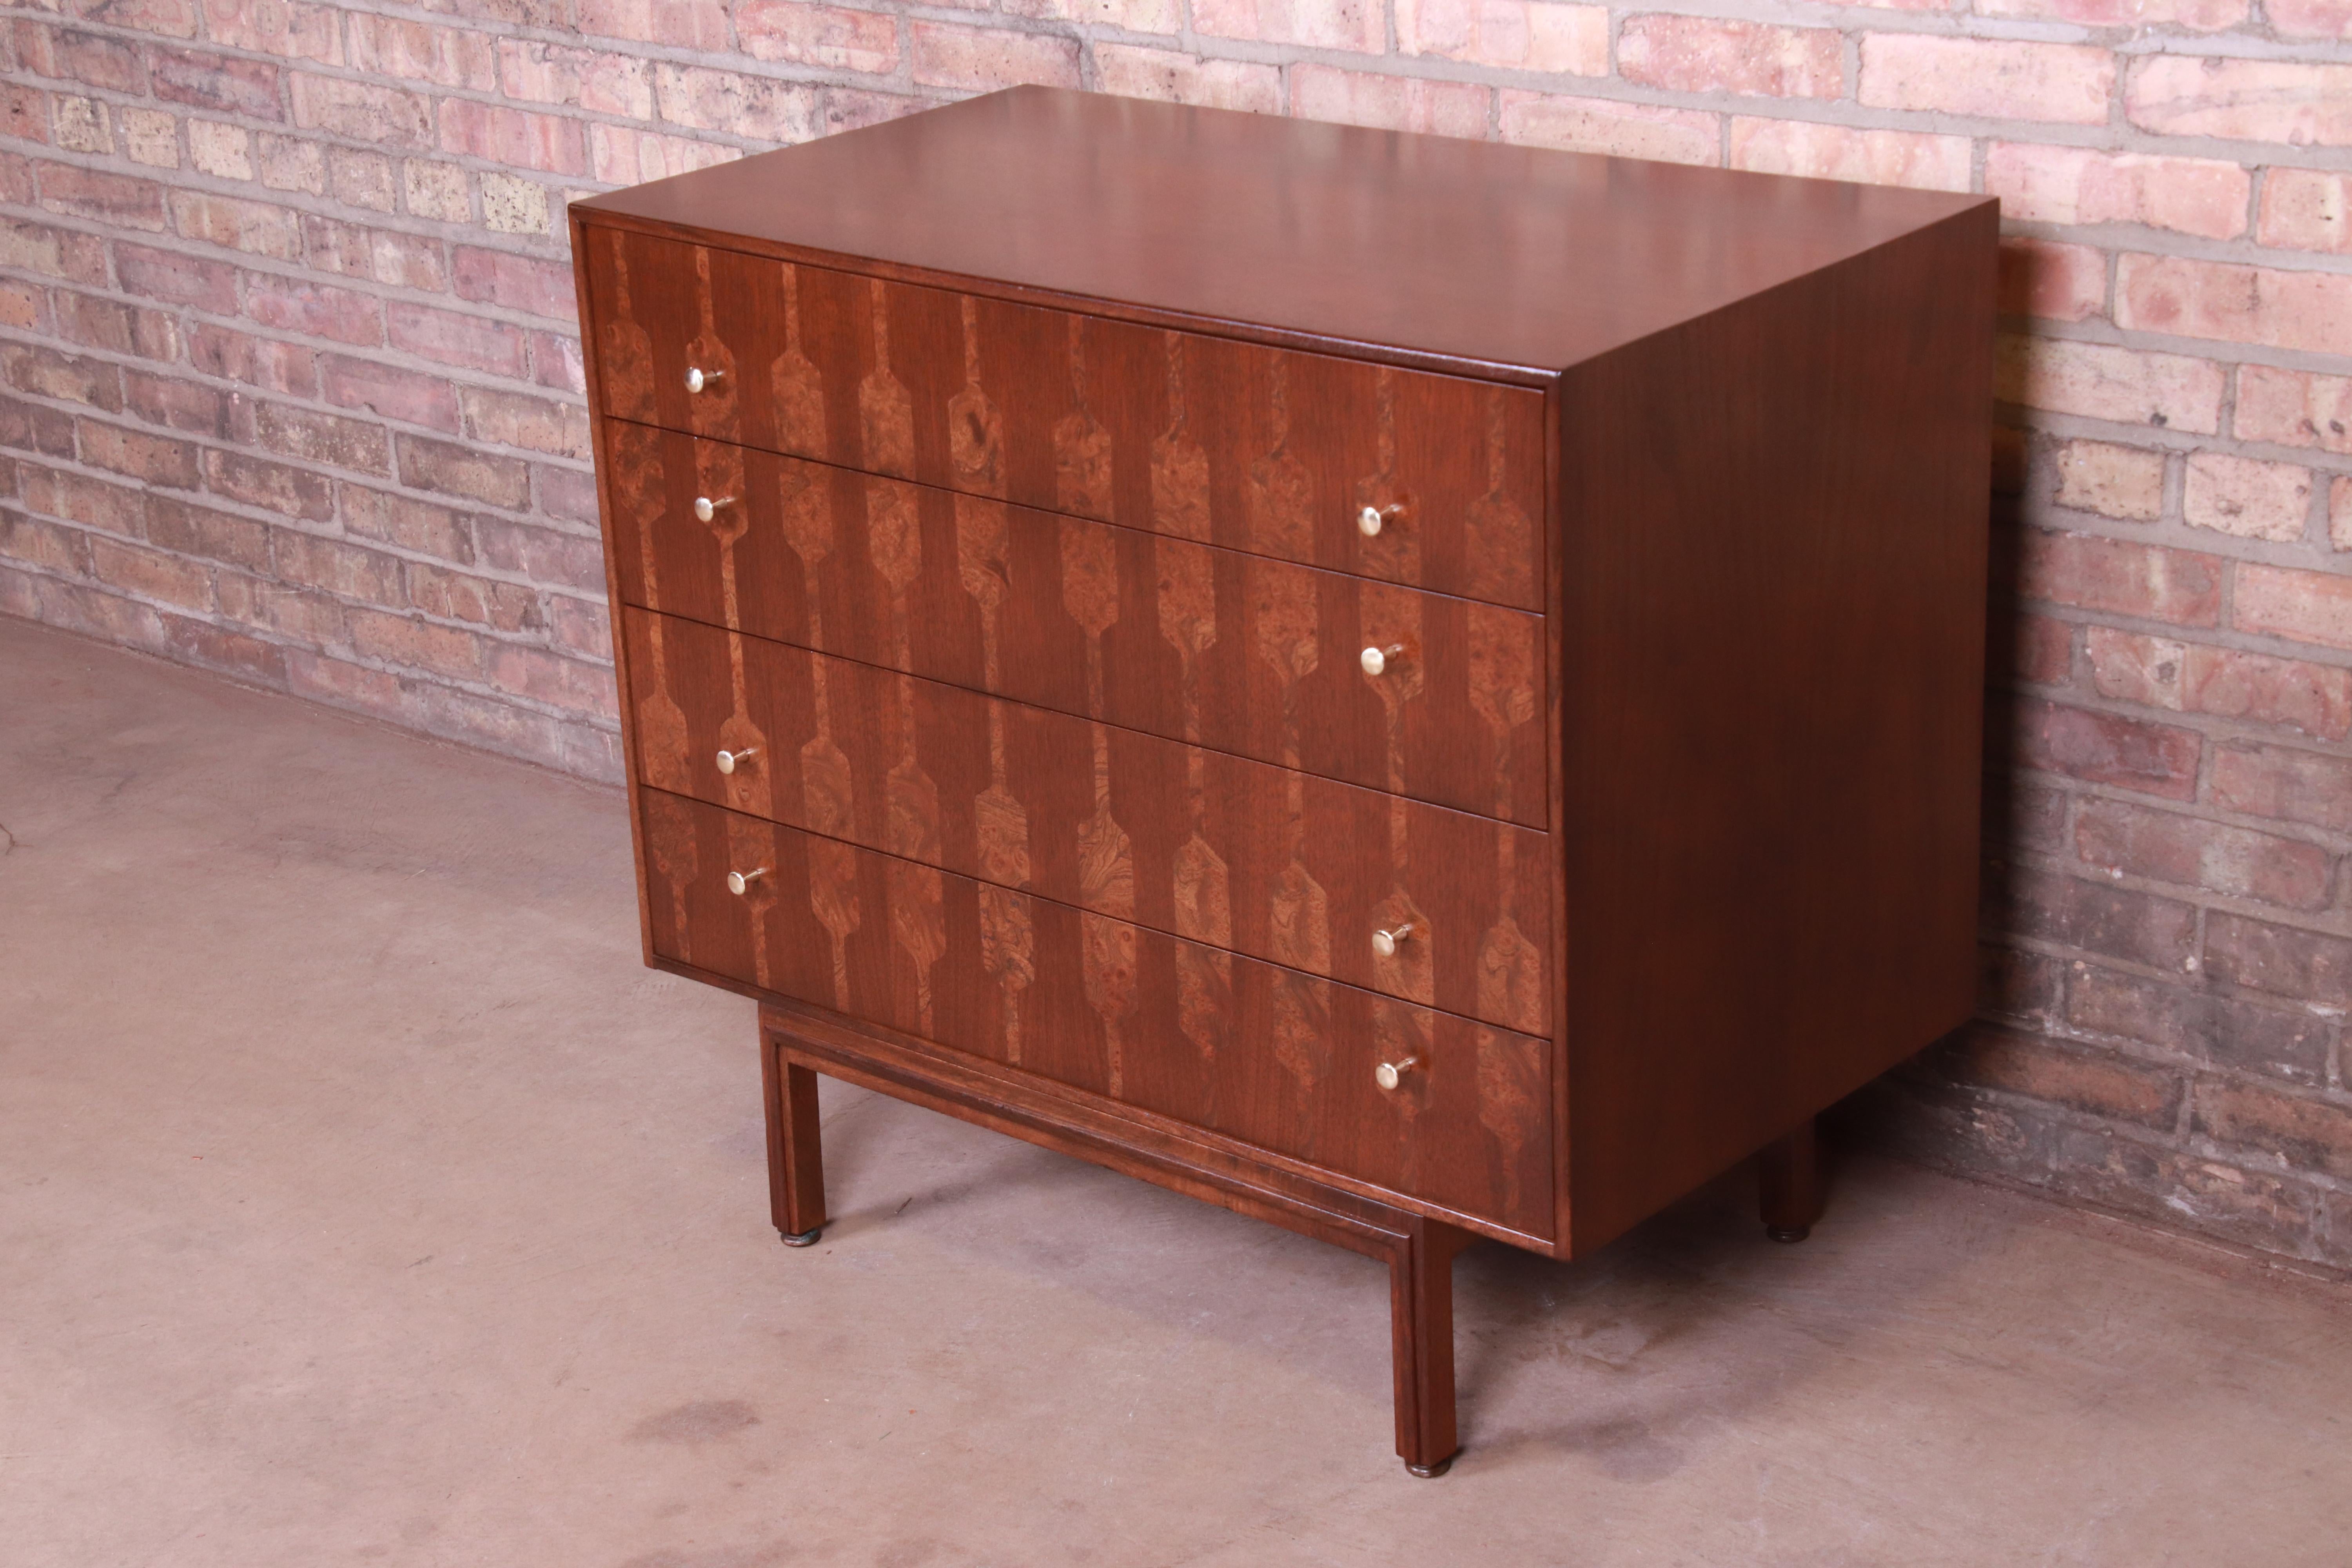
(1200, 437)
(1227, 650)
(1279, 865)
(1279, 1059)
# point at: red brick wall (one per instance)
(292, 391)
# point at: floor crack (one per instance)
(10, 839)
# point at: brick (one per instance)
(2249, 499)
(221, 149)
(1702, 54)
(2107, 748)
(2203, 196)
(2168, 847)
(1986, 79)
(151, 573)
(1172, 76)
(289, 163)
(2113, 481)
(309, 561)
(364, 112)
(52, 252)
(2010, 983)
(81, 125)
(342, 684)
(1389, 102)
(2290, 693)
(1129, 15)
(407, 395)
(158, 459)
(215, 536)
(437, 191)
(316, 438)
(180, 279)
(581, 626)
(1841, 152)
(981, 60)
(46, 373)
(2249, 100)
(71, 55)
(566, 494)
(511, 204)
(461, 596)
(2218, 1030)
(264, 362)
(176, 402)
(2197, 15)
(848, 109)
(93, 194)
(558, 682)
(29, 428)
(2339, 513)
(2314, 1134)
(2129, 667)
(2101, 381)
(1516, 35)
(285, 29)
(2038, 648)
(2304, 209)
(30, 541)
(151, 137)
(2058, 283)
(169, 18)
(2069, 911)
(474, 341)
(301, 612)
(518, 137)
(125, 329)
(319, 309)
(274, 486)
(541, 554)
(2305, 606)
(389, 256)
(2290, 786)
(23, 112)
(2293, 408)
(555, 361)
(257, 227)
(518, 419)
(1355, 25)
(220, 83)
(2306, 311)
(699, 24)
(16, 184)
(91, 502)
(2310, 19)
(452, 469)
(594, 79)
(1607, 126)
(2122, 578)
(2096, 1083)
(2283, 960)
(623, 155)
(416, 643)
(21, 305)
(362, 179)
(422, 52)
(408, 525)
(515, 282)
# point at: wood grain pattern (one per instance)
(1233, 854)
(1195, 436)
(1234, 652)
(1278, 1059)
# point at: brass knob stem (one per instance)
(699, 379)
(1384, 942)
(705, 508)
(729, 761)
(739, 882)
(1375, 660)
(1387, 1075)
(1372, 518)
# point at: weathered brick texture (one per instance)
(290, 387)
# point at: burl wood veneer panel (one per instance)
(1279, 1059)
(1225, 650)
(1198, 438)
(1279, 865)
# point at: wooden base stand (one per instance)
(1419, 1250)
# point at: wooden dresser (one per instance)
(1413, 689)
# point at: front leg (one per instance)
(795, 1156)
(1421, 1313)
(1788, 1183)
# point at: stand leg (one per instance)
(796, 1157)
(1789, 1181)
(1421, 1309)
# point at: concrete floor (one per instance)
(363, 1200)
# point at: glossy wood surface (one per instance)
(1234, 652)
(1283, 866)
(1198, 438)
(1281, 1060)
(1466, 251)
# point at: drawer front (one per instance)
(1230, 651)
(1279, 1059)
(1278, 865)
(1201, 437)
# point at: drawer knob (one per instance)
(1384, 942)
(705, 508)
(699, 380)
(729, 761)
(739, 882)
(1387, 1075)
(1372, 518)
(1375, 660)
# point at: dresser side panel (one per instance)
(1775, 524)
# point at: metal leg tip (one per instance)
(1431, 1472)
(1789, 1233)
(805, 1238)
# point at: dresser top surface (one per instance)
(1467, 250)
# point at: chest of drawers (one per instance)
(1412, 688)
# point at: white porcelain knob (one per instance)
(1384, 942)
(729, 761)
(698, 378)
(705, 508)
(739, 882)
(1375, 660)
(1372, 518)
(1387, 1075)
